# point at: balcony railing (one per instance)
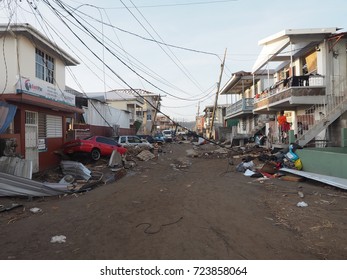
(313, 81)
(244, 105)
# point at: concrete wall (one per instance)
(326, 161)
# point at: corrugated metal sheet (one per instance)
(77, 169)
(330, 180)
(11, 185)
(16, 166)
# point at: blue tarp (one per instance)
(7, 113)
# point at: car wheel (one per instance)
(95, 153)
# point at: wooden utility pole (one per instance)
(217, 93)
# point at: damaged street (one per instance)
(185, 202)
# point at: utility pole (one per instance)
(154, 121)
(216, 99)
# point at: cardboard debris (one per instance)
(145, 155)
(269, 168)
(292, 178)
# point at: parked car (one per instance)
(167, 135)
(152, 139)
(96, 146)
(133, 140)
(159, 137)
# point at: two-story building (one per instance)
(32, 81)
(141, 104)
(243, 86)
(213, 121)
(150, 109)
(307, 81)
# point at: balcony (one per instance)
(291, 92)
(241, 107)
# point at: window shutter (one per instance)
(54, 126)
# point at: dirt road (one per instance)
(178, 207)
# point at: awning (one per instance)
(240, 81)
(7, 112)
(270, 52)
(41, 102)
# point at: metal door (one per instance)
(31, 139)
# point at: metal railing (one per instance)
(245, 104)
(292, 82)
(312, 120)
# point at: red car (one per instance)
(96, 146)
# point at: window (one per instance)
(44, 65)
(244, 124)
(50, 126)
(30, 118)
(106, 141)
(149, 116)
(54, 126)
(42, 125)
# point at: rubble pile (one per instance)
(135, 150)
(260, 162)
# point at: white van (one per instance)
(133, 140)
(167, 135)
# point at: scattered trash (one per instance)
(243, 166)
(67, 179)
(35, 210)
(13, 206)
(76, 169)
(249, 173)
(249, 165)
(302, 204)
(301, 194)
(58, 239)
(269, 167)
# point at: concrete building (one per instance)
(33, 82)
(307, 82)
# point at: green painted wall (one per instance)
(326, 161)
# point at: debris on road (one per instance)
(35, 210)
(9, 208)
(58, 239)
(302, 204)
(115, 159)
(76, 169)
(145, 155)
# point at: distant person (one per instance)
(283, 126)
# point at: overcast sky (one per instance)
(123, 52)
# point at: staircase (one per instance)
(334, 107)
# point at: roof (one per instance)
(240, 81)
(300, 38)
(39, 39)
